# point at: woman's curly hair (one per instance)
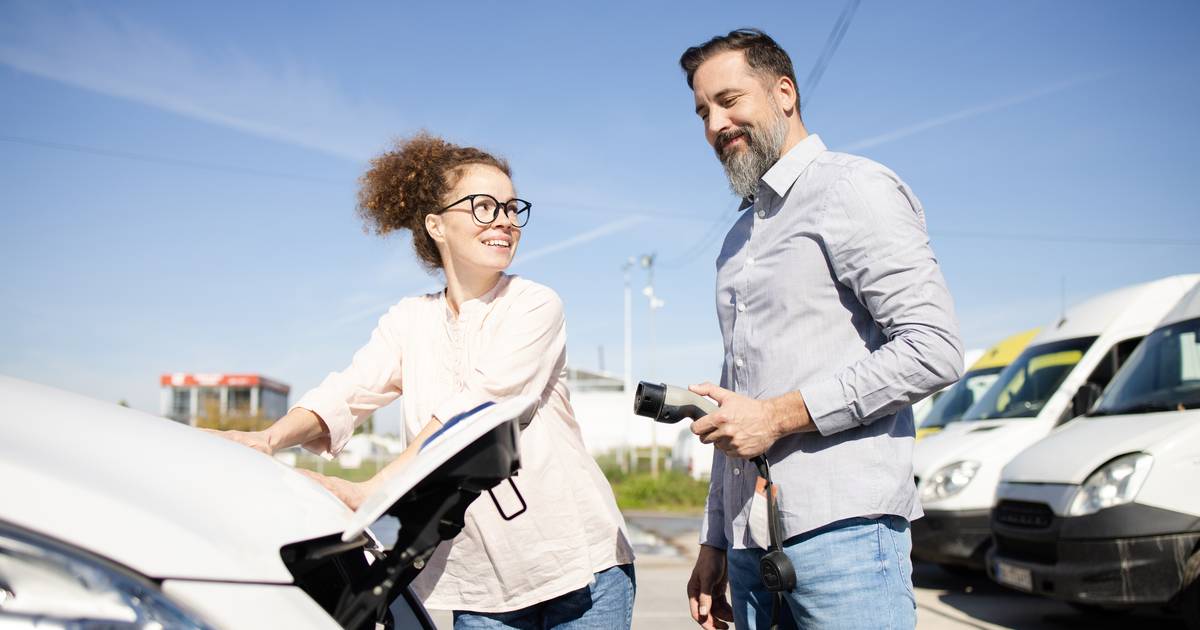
(411, 181)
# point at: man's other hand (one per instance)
(706, 590)
(744, 427)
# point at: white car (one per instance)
(1105, 512)
(957, 470)
(114, 518)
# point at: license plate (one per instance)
(1016, 577)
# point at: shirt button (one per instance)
(737, 471)
(762, 214)
(738, 362)
(741, 307)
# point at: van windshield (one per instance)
(1162, 375)
(1023, 388)
(951, 406)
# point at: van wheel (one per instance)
(1189, 599)
(1092, 610)
(960, 571)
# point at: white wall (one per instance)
(606, 420)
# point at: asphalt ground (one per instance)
(666, 546)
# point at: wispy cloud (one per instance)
(971, 112)
(541, 252)
(579, 239)
(122, 58)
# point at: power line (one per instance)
(831, 45)
(160, 159)
(1043, 238)
(704, 242)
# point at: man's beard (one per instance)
(764, 147)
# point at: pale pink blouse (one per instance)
(509, 341)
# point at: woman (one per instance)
(566, 561)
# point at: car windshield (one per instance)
(1162, 375)
(951, 406)
(1023, 388)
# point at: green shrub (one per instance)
(671, 491)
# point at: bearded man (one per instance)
(835, 319)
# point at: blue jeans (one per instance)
(605, 604)
(851, 574)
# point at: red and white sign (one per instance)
(181, 379)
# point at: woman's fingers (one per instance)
(253, 439)
(348, 492)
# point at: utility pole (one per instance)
(626, 458)
(647, 262)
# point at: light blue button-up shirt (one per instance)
(827, 285)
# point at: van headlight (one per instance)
(1115, 483)
(51, 584)
(948, 480)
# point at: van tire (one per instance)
(960, 571)
(1095, 610)
(1189, 598)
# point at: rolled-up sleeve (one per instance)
(530, 349)
(344, 399)
(878, 246)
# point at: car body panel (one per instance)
(112, 479)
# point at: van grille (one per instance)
(1023, 514)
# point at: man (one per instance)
(835, 318)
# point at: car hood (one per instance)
(959, 440)
(165, 499)
(1074, 451)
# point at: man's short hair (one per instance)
(763, 55)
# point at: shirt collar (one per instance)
(780, 177)
(475, 306)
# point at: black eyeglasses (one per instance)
(486, 208)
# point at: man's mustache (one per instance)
(725, 137)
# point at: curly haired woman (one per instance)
(566, 562)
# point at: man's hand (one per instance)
(706, 590)
(744, 427)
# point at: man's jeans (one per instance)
(605, 604)
(851, 574)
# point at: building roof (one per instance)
(183, 379)
(579, 380)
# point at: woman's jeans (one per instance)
(851, 574)
(605, 604)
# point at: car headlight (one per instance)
(1114, 483)
(948, 480)
(48, 583)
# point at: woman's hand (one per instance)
(351, 493)
(256, 440)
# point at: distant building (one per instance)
(186, 397)
(604, 413)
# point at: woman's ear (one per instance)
(433, 225)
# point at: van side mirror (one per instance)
(1085, 399)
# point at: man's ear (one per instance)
(785, 91)
(433, 225)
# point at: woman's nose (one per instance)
(503, 218)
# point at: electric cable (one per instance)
(170, 161)
(831, 45)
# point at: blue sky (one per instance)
(177, 180)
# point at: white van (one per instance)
(958, 469)
(1106, 510)
(113, 518)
